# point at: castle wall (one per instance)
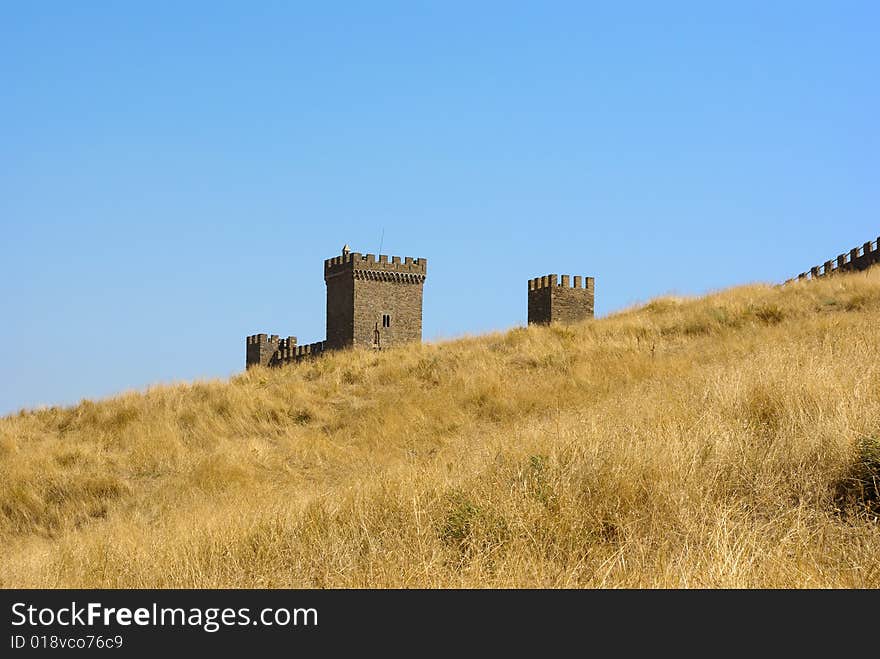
(400, 301)
(539, 306)
(340, 310)
(295, 353)
(859, 258)
(263, 349)
(259, 350)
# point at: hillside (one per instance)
(726, 441)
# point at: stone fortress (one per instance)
(376, 303)
(371, 302)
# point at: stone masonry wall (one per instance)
(266, 350)
(565, 301)
(261, 349)
(859, 258)
(400, 301)
(340, 310)
(539, 306)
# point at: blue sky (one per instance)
(172, 175)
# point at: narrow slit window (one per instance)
(386, 320)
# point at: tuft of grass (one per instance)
(771, 314)
(859, 490)
(471, 529)
(859, 300)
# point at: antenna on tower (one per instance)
(381, 240)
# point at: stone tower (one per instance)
(373, 302)
(560, 302)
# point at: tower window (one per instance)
(386, 320)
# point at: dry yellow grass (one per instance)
(727, 441)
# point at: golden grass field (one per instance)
(726, 441)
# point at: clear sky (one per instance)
(172, 175)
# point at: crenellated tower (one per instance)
(373, 302)
(566, 301)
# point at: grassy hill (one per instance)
(730, 440)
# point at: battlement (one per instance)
(566, 281)
(297, 353)
(369, 266)
(258, 339)
(262, 349)
(271, 350)
(858, 258)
